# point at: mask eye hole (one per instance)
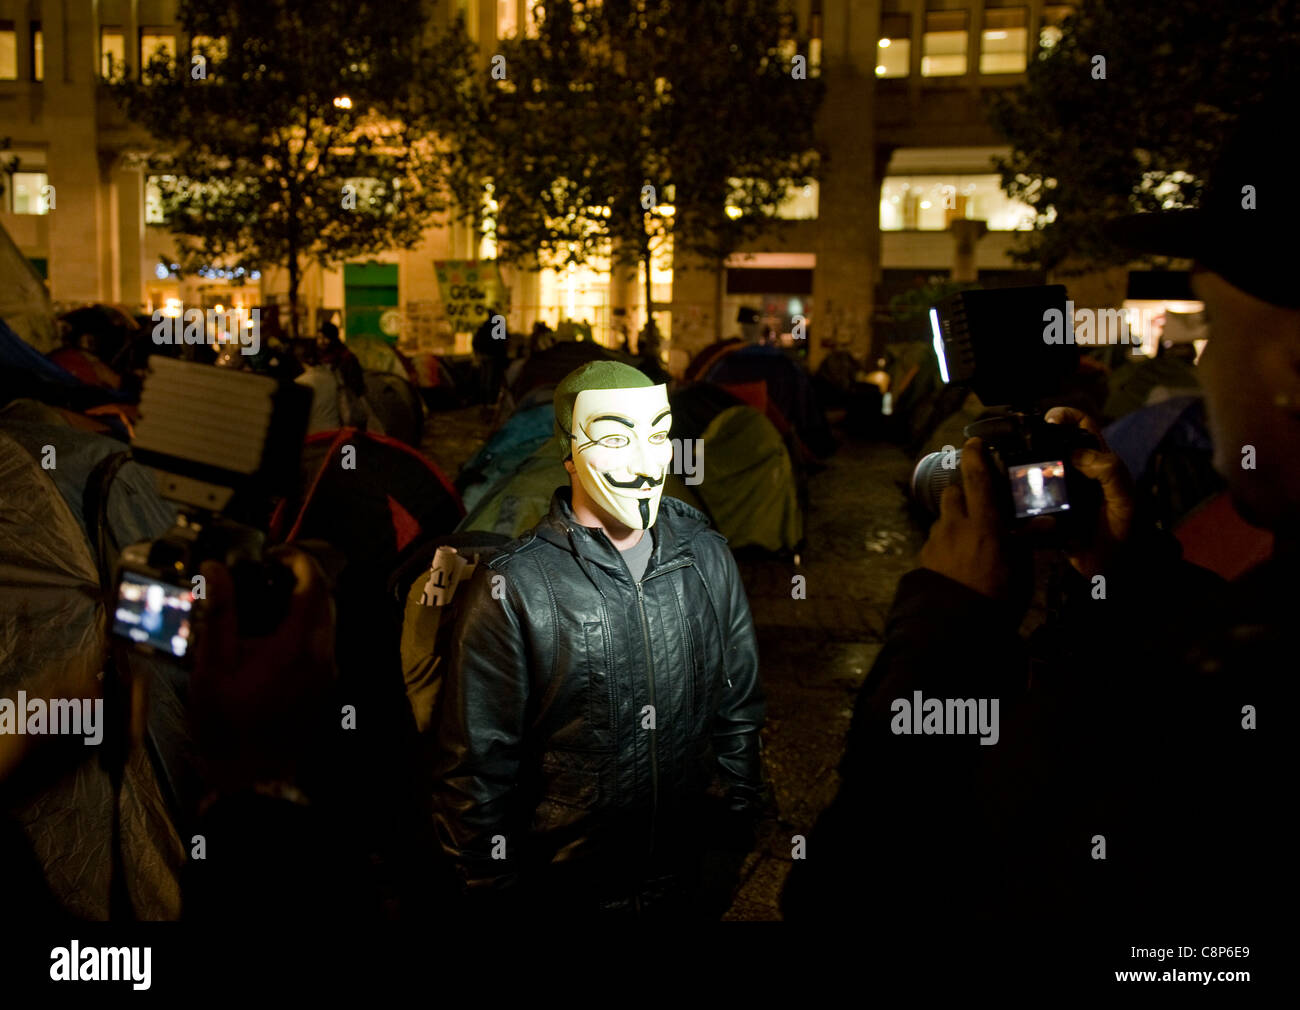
(658, 438)
(613, 441)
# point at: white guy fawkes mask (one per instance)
(621, 450)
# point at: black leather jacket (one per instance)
(546, 758)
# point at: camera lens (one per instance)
(931, 478)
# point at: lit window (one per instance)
(894, 50)
(153, 46)
(943, 46)
(31, 193)
(1053, 18)
(8, 52)
(38, 52)
(1003, 41)
(933, 202)
(112, 54)
(507, 19)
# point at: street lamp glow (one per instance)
(343, 102)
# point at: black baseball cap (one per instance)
(1248, 222)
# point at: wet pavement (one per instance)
(815, 651)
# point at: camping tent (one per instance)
(519, 500)
(397, 404)
(24, 302)
(522, 435)
(378, 355)
(788, 387)
(748, 487)
(548, 367)
(369, 496)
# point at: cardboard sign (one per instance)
(469, 288)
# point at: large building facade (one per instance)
(908, 189)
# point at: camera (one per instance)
(223, 444)
(992, 342)
(1032, 460)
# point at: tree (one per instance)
(628, 123)
(299, 130)
(1129, 110)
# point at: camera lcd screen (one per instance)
(153, 612)
(1038, 488)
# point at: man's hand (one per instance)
(1115, 519)
(966, 542)
(253, 698)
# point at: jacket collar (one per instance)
(674, 528)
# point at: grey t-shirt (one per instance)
(638, 556)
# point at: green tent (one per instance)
(749, 489)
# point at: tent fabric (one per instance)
(709, 356)
(396, 403)
(788, 387)
(24, 302)
(53, 640)
(519, 500)
(376, 355)
(749, 489)
(548, 367)
(696, 405)
(374, 503)
(511, 444)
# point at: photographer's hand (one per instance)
(1115, 520)
(253, 698)
(966, 542)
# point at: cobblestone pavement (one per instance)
(815, 652)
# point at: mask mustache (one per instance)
(639, 482)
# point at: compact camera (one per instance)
(223, 444)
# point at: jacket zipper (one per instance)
(654, 753)
(650, 683)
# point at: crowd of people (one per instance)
(595, 752)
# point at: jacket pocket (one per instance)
(600, 702)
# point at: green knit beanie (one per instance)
(592, 375)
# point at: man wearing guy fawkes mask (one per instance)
(598, 732)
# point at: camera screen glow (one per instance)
(1039, 488)
(153, 612)
(938, 345)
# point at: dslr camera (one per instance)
(992, 342)
(223, 444)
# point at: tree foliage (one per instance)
(1145, 136)
(629, 122)
(299, 130)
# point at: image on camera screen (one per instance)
(1038, 488)
(153, 612)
